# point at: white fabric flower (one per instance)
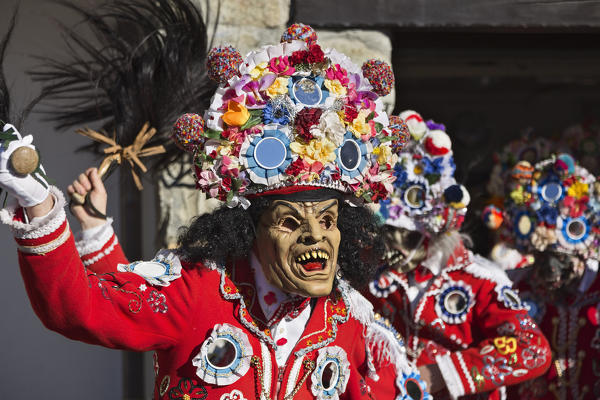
(331, 127)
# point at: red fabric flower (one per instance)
(350, 113)
(295, 168)
(306, 118)
(227, 183)
(379, 191)
(315, 54)
(299, 57)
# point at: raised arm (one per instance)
(120, 310)
(97, 242)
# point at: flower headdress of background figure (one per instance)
(261, 288)
(547, 238)
(452, 306)
(550, 209)
(427, 200)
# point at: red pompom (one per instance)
(223, 63)
(299, 31)
(380, 76)
(188, 132)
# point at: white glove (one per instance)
(30, 189)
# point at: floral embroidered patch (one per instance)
(188, 389)
(234, 395)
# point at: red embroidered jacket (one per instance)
(199, 320)
(573, 329)
(469, 321)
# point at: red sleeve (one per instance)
(117, 310)
(514, 348)
(100, 251)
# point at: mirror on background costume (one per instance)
(457, 310)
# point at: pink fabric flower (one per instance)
(339, 73)
(281, 66)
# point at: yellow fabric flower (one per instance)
(236, 114)
(360, 126)
(322, 150)
(278, 87)
(259, 71)
(578, 190)
(519, 196)
(383, 154)
(335, 87)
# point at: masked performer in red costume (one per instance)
(258, 300)
(465, 327)
(549, 235)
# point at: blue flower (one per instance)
(383, 209)
(401, 176)
(547, 214)
(433, 167)
(276, 114)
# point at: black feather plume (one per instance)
(144, 62)
(4, 94)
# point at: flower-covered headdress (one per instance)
(552, 205)
(292, 117)
(426, 197)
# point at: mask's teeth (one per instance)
(314, 254)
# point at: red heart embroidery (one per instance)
(270, 298)
(281, 342)
(593, 314)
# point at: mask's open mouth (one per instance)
(313, 260)
(393, 257)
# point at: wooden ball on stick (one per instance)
(24, 160)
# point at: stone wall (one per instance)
(248, 28)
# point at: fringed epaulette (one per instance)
(485, 269)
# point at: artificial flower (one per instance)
(259, 71)
(574, 207)
(299, 57)
(208, 179)
(279, 86)
(305, 120)
(306, 171)
(335, 87)
(519, 195)
(361, 127)
(276, 114)
(543, 237)
(236, 114)
(383, 154)
(434, 166)
(315, 54)
(547, 214)
(350, 113)
(281, 66)
(400, 174)
(338, 73)
(322, 150)
(578, 189)
(330, 127)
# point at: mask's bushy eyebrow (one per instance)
(327, 207)
(288, 205)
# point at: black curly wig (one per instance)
(226, 235)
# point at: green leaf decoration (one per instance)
(255, 119)
(378, 127)
(212, 134)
